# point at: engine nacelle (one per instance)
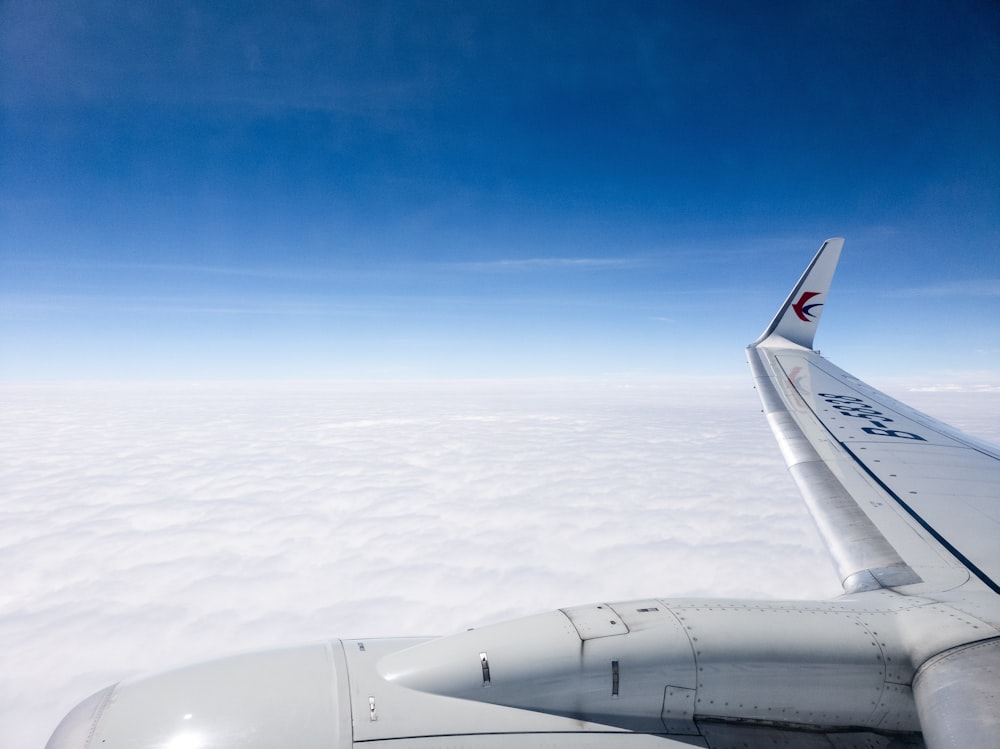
(715, 673)
(661, 666)
(295, 697)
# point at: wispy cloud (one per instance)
(551, 263)
(955, 387)
(13, 305)
(979, 287)
(282, 272)
(221, 270)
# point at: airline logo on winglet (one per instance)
(804, 310)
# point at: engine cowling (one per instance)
(293, 697)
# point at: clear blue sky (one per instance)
(452, 189)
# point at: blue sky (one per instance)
(447, 189)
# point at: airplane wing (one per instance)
(901, 500)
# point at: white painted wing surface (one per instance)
(902, 500)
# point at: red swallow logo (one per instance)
(803, 310)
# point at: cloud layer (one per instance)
(144, 526)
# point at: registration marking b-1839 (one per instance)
(848, 405)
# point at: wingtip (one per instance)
(798, 318)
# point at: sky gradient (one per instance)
(441, 189)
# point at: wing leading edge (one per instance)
(901, 500)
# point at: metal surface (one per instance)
(958, 695)
(861, 552)
(295, 697)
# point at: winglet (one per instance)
(798, 317)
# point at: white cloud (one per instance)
(551, 263)
(957, 388)
(146, 526)
(967, 400)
